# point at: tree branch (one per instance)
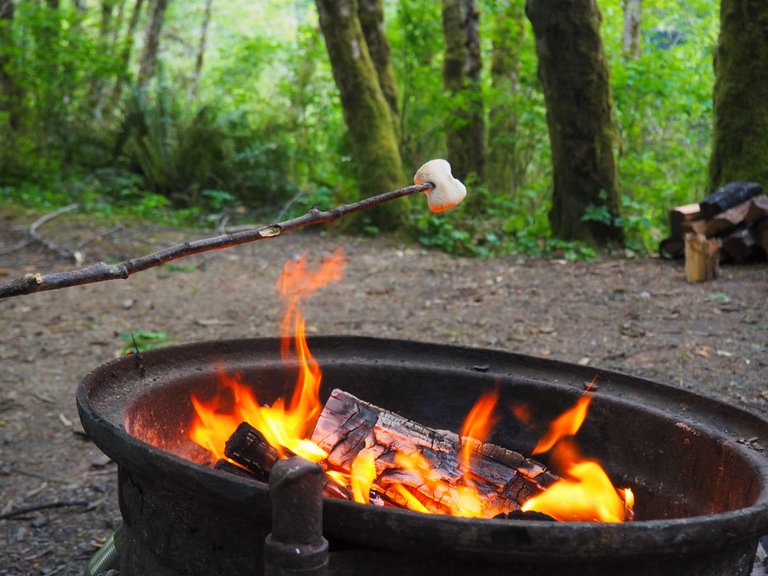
(100, 272)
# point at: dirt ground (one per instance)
(635, 316)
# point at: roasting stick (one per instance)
(434, 178)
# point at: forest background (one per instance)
(237, 116)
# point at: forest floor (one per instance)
(637, 316)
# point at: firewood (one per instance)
(761, 235)
(680, 214)
(729, 219)
(740, 244)
(227, 466)
(248, 447)
(728, 196)
(702, 257)
(502, 477)
(758, 209)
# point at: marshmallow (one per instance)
(448, 192)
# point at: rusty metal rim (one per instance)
(405, 530)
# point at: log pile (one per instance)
(729, 225)
(349, 428)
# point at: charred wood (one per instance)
(502, 477)
(248, 447)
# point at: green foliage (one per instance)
(143, 340)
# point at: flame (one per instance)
(286, 428)
(363, 475)
(478, 423)
(585, 492)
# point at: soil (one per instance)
(638, 316)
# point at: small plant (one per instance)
(143, 340)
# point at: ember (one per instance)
(366, 450)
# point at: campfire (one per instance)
(377, 457)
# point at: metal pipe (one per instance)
(296, 545)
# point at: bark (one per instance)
(630, 37)
(152, 42)
(504, 478)
(127, 49)
(462, 65)
(503, 172)
(371, 14)
(574, 74)
(201, 50)
(366, 113)
(740, 145)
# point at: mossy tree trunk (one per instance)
(152, 41)
(740, 146)
(366, 112)
(462, 65)
(10, 94)
(126, 50)
(574, 74)
(630, 34)
(502, 172)
(371, 14)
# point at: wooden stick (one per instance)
(100, 272)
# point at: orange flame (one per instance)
(363, 475)
(285, 427)
(585, 492)
(478, 424)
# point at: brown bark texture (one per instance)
(152, 42)
(740, 143)
(348, 425)
(574, 74)
(462, 65)
(367, 114)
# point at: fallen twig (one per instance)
(38, 507)
(100, 272)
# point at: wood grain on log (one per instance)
(502, 477)
(702, 257)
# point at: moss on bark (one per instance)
(740, 142)
(574, 74)
(462, 65)
(366, 112)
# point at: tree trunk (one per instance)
(127, 49)
(461, 78)
(366, 112)
(371, 14)
(574, 74)
(740, 146)
(503, 172)
(630, 37)
(10, 96)
(201, 50)
(152, 42)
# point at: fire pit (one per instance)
(697, 466)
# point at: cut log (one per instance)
(761, 235)
(248, 447)
(729, 196)
(681, 214)
(227, 466)
(727, 220)
(503, 478)
(672, 247)
(740, 244)
(702, 257)
(758, 209)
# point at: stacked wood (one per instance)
(726, 225)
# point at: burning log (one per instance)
(248, 447)
(422, 468)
